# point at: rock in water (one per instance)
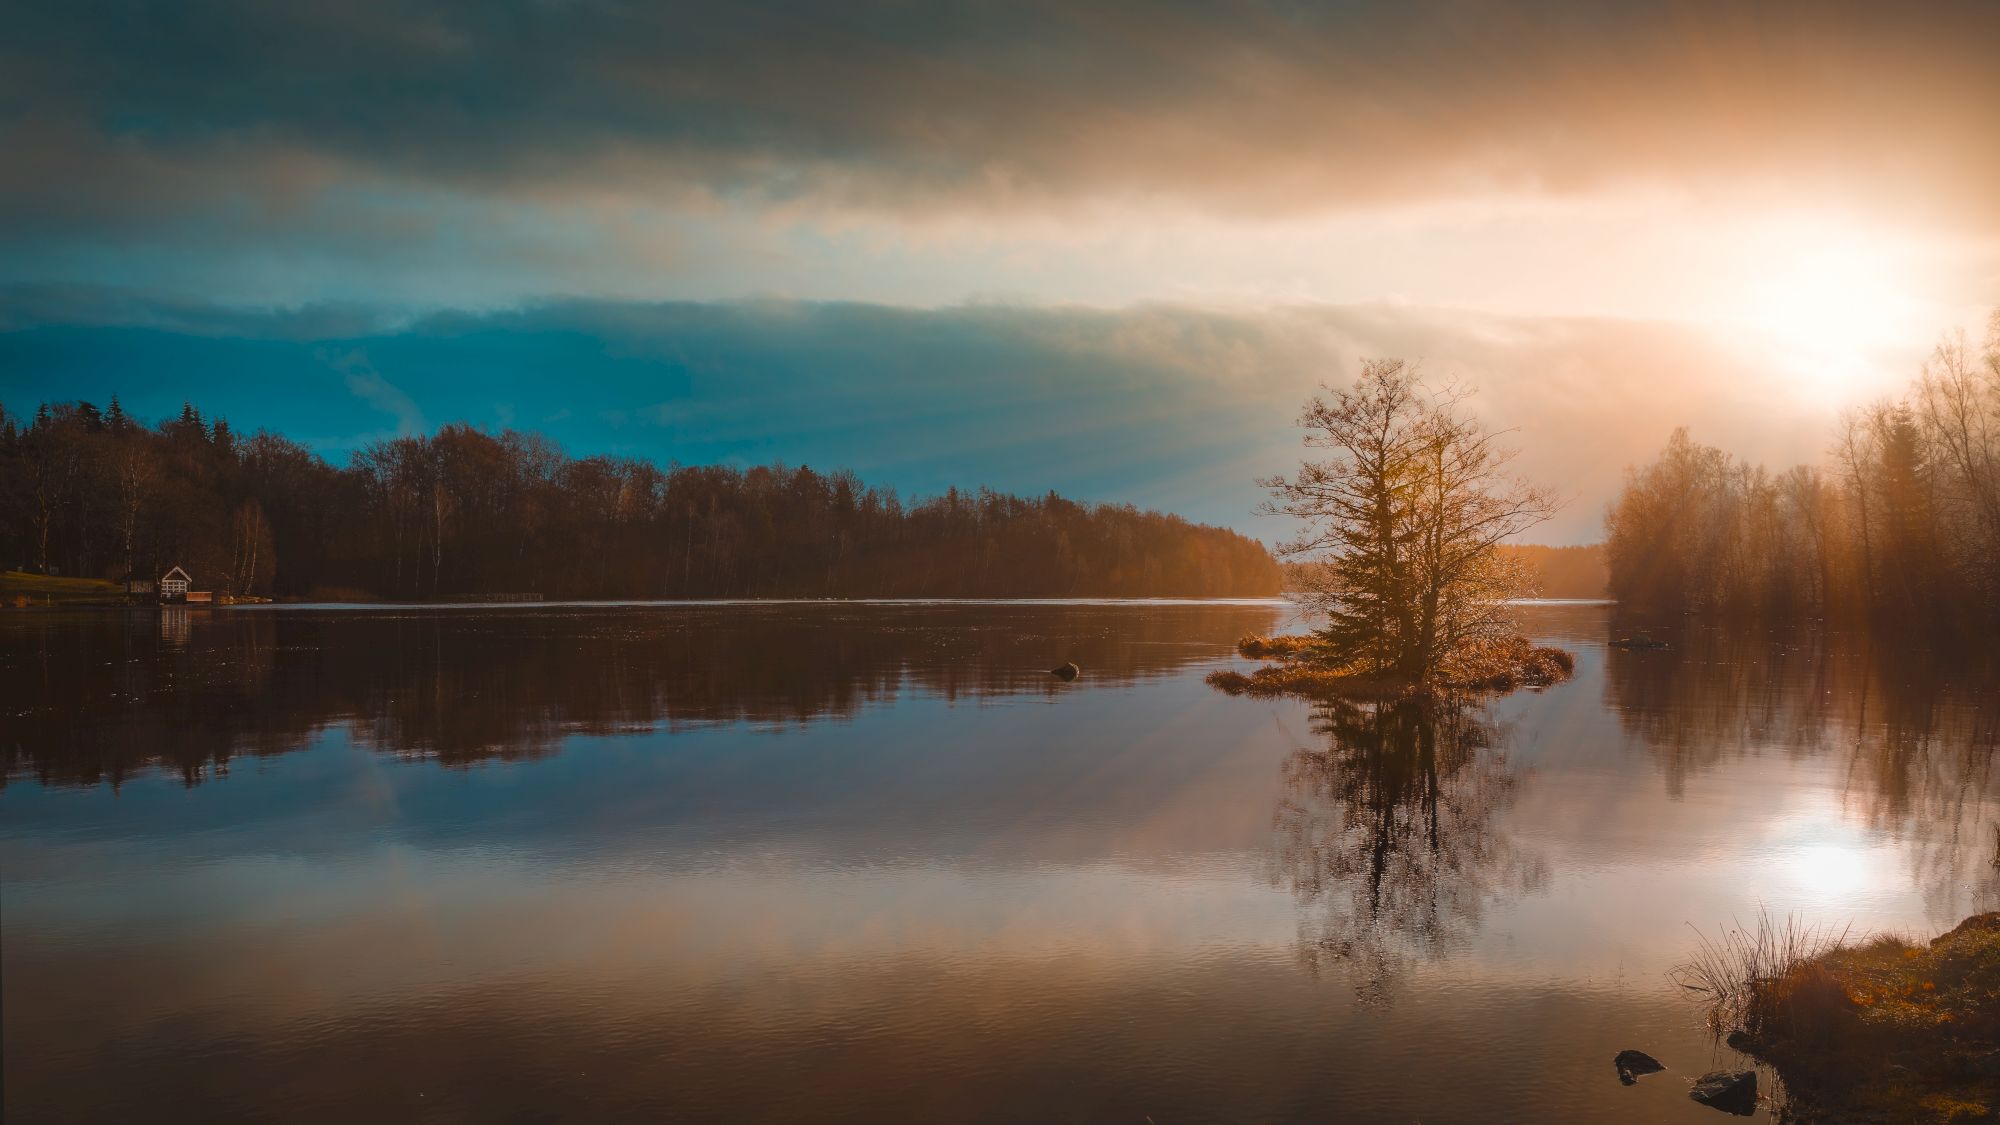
(1729, 1091)
(1631, 1064)
(1066, 673)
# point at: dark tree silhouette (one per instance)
(463, 511)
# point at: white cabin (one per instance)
(174, 585)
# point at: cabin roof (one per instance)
(174, 571)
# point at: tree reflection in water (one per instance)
(1914, 724)
(1387, 835)
(94, 696)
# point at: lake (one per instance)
(870, 861)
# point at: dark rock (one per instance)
(1729, 1091)
(1631, 1064)
(1741, 1040)
(1067, 672)
(1638, 642)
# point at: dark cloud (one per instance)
(130, 112)
(24, 307)
(1168, 406)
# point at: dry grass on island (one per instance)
(1886, 1030)
(1304, 665)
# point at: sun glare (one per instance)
(1829, 869)
(1826, 303)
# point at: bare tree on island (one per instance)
(1406, 516)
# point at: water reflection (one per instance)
(872, 863)
(1387, 834)
(1914, 727)
(97, 696)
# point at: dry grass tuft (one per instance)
(1291, 646)
(1309, 680)
(1509, 664)
(1747, 977)
(1886, 1030)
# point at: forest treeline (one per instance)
(1564, 572)
(1901, 523)
(94, 492)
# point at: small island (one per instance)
(1401, 551)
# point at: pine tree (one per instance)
(1903, 486)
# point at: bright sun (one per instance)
(1828, 303)
(1825, 303)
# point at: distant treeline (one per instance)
(95, 493)
(1903, 524)
(1566, 572)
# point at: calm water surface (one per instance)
(870, 862)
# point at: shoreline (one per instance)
(1881, 1029)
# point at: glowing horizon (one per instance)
(1614, 222)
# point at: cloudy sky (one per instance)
(1104, 248)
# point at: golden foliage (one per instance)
(1886, 1030)
(1304, 668)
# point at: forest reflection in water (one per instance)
(871, 862)
(1912, 725)
(1394, 830)
(95, 696)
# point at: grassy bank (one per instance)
(19, 588)
(1882, 1030)
(1299, 666)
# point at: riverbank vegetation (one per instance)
(1881, 1030)
(20, 588)
(95, 494)
(1400, 548)
(1902, 522)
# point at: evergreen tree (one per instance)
(1903, 486)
